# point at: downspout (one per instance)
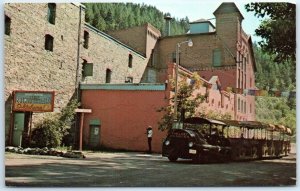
(77, 81)
(78, 57)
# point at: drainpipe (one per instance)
(77, 81)
(78, 57)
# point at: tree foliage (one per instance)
(278, 30)
(115, 16)
(270, 75)
(50, 131)
(276, 110)
(187, 102)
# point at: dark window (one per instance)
(87, 69)
(49, 42)
(242, 106)
(108, 76)
(86, 37)
(51, 12)
(130, 61)
(7, 25)
(129, 80)
(239, 104)
(216, 57)
(239, 78)
(245, 107)
(174, 57)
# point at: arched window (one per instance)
(7, 25)
(51, 12)
(130, 61)
(86, 37)
(49, 42)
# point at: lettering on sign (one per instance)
(34, 101)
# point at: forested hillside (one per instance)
(272, 75)
(114, 16)
(279, 76)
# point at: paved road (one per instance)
(128, 169)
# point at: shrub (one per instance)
(50, 131)
(47, 134)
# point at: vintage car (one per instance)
(191, 144)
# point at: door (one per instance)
(19, 122)
(94, 135)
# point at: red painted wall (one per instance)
(124, 117)
(227, 77)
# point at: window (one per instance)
(216, 57)
(86, 37)
(239, 104)
(87, 69)
(222, 100)
(174, 57)
(108, 76)
(152, 58)
(49, 42)
(245, 107)
(51, 12)
(245, 81)
(250, 108)
(242, 106)
(7, 25)
(239, 78)
(129, 80)
(130, 61)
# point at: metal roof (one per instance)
(200, 120)
(132, 87)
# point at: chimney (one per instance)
(168, 19)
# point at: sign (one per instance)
(83, 110)
(33, 101)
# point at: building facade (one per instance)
(122, 76)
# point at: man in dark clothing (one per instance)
(149, 136)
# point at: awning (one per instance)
(199, 120)
(95, 122)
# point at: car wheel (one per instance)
(172, 158)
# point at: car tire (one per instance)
(172, 158)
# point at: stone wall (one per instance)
(28, 66)
(105, 53)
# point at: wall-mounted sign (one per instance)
(34, 101)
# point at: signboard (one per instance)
(83, 110)
(33, 101)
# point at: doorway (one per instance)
(94, 136)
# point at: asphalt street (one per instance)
(133, 169)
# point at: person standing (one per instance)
(149, 136)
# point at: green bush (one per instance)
(51, 131)
(47, 134)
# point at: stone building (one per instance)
(122, 76)
(36, 39)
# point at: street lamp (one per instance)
(190, 44)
